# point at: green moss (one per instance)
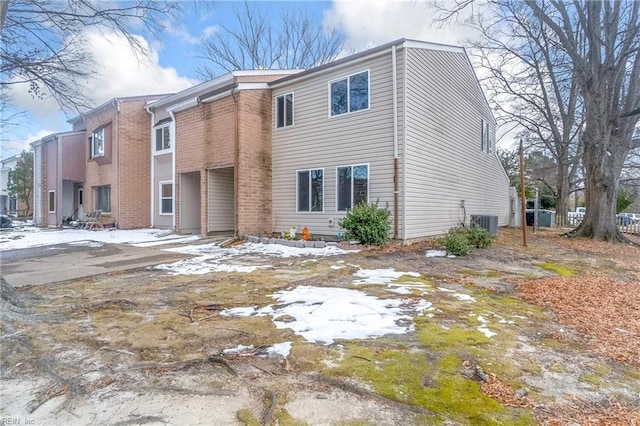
(418, 280)
(246, 418)
(437, 337)
(286, 419)
(560, 270)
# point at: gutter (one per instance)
(173, 169)
(394, 78)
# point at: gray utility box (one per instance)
(490, 223)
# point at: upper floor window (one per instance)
(353, 186)
(163, 138)
(349, 94)
(97, 143)
(485, 141)
(284, 110)
(310, 190)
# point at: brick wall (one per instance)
(254, 162)
(127, 146)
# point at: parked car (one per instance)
(635, 217)
(624, 220)
(5, 221)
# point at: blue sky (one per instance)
(173, 60)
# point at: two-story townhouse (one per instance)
(118, 167)
(59, 174)
(211, 155)
(9, 203)
(405, 124)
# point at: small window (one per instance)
(284, 110)
(102, 198)
(97, 143)
(311, 190)
(52, 201)
(485, 145)
(349, 94)
(353, 186)
(163, 138)
(166, 198)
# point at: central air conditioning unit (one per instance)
(490, 223)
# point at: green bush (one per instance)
(456, 242)
(460, 241)
(367, 223)
(478, 237)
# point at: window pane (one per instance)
(359, 91)
(344, 188)
(303, 191)
(339, 97)
(360, 183)
(289, 109)
(166, 138)
(316, 190)
(52, 201)
(280, 112)
(97, 143)
(167, 189)
(158, 139)
(103, 198)
(167, 206)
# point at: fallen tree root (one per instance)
(209, 308)
(57, 389)
(161, 368)
(348, 387)
(268, 417)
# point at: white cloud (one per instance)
(16, 146)
(374, 22)
(118, 72)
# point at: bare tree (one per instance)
(597, 47)
(43, 42)
(255, 42)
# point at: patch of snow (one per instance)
(436, 253)
(483, 328)
(400, 290)
(283, 349)
(423, 306)
(86, 243)
(464, 297)
(381, 276)
(30, 236)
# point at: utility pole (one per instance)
(523, 198)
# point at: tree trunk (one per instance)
(562, 191)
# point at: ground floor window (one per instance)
(102, 198)
(353, 186)
(52, 201)
(310, 191)
(13, 204)
(166, 197)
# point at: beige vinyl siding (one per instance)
(445, 164)
(317, 141)
(220, 200)
(163, 171)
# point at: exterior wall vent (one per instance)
(490, 223)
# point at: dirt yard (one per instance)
(545, 334)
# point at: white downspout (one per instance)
(404, 139)
(153, 167)
(173, 167)
(59, 187)
(395, 142)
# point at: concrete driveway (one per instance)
(61, 262)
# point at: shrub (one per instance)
(367, 223)
(478, 237)
(460, 241)
(456, 242)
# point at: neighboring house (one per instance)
(211, 156)
(59, 174)
(10, 203)
(405, 124)
(116, 152)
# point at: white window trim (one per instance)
(155, 145)
(293, 114)
(349, 94)
(94, 193)
(49, 201)
(93, 140)
(351, 192)
(323, 192)
(160, 197)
